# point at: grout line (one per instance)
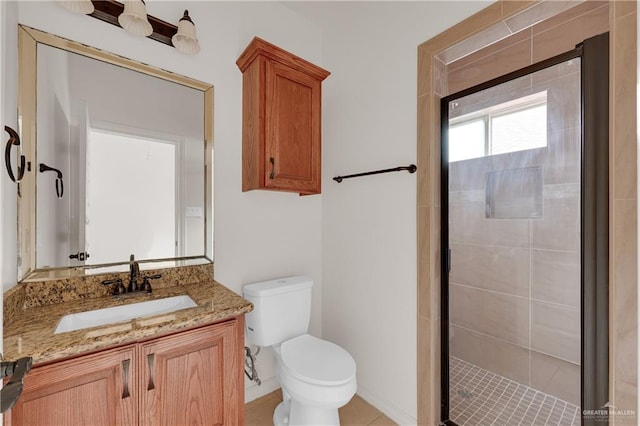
(462, 243)
(573, 363)
(540, 407)
(564, 409)
(530, 328)
(489, 335)
(487, 290)
(494, 403)
(473, 287)
(576, 18)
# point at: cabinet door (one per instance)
(193, 377)
(90, 390)
(292, 121)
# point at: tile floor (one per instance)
(480, 397)
(357, 412)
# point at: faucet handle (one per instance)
(119, 287)
(146, 285)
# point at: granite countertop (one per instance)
(30, 331)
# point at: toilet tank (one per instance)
(281, 309)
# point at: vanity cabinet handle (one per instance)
(151, 359)
(125, 378)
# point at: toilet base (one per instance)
(281, 415)
(291, 413)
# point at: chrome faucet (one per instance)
(134, 273)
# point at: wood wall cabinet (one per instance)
(192, 377)
(281, 117)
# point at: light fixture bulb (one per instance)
(134, 18)
(84, 7)
(185, 39)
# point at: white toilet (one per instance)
(317, 377)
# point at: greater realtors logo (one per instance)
(607, 410)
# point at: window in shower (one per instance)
(515, 125)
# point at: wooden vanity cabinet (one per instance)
(97, 389)
(192, 377)
(281, 115)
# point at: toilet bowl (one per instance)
(317, 376)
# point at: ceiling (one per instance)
(424, 19)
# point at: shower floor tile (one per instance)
(480, 397)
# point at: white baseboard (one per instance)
(254, 391)
(389, 410)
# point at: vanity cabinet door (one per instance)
(96, 389)
(193, 377)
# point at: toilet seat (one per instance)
(317, 361)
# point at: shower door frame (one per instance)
(594, 222)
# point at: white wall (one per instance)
(369, 223)
(258, 235)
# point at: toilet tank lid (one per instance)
(277, 286)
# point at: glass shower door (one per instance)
(513, 153)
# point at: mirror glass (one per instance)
(120, 166)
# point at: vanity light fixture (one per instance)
(84, 7)
(185, 39)
(134, 18)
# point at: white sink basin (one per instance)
(115, 314)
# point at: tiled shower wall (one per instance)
(515, 282)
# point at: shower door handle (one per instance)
(448, 260)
